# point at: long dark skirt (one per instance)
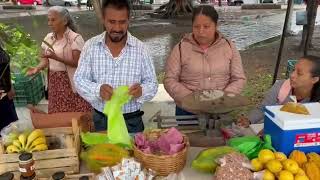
(7, 112)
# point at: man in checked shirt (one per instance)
(115, 58)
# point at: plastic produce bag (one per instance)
(251, 145)
(117, 132)
(103, 155)
(90, 139)
(233, 166)
(12, 131)
(117, 129)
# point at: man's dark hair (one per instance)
(206, 10)
(118, 4)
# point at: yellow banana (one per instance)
(34, 135)
(17, 143)
(40, 147)
(23, 140)
(39, 140)
(12, 149)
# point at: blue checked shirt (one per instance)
(97, 66)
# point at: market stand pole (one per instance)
(283, 36)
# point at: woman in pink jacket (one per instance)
(203, 60)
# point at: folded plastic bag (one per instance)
(90, 139)
(251, 145)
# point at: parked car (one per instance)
(235, 2)
(29, 2)
(240, 2)
(63, 2)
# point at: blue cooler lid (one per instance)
(291, 121)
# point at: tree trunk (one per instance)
(312, 24)
(312, 6)
(175, 8)
(79, 4)
(97, 8)
(290, 20)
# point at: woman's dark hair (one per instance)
(206, 10)
(118, 4)
(315, 72)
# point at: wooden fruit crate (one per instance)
(91, 176)
(62, 155)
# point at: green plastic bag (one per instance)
(117, 129)
(90, 139)
(251, 145)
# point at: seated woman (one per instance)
(303, 83)
(203, 60)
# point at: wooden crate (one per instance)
(74, 176)
(63, 153)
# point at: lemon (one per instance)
(280, 156)
(301, 172)
(286, 175)
(265, 155)
(274, 166)
(268, 175)
(256, 165)
(291, 166)
(301, 177)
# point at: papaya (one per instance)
(312, 170)
(314, 157)
(206, 159)
(298, 156)
(102, 155)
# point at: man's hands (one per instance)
(135, 90)
(106, 91)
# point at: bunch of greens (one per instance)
(22, 49)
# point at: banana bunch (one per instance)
(35, 141)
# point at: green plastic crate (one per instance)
(29, 90)
(290, 67)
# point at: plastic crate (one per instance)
(29, 90)
(290, 67)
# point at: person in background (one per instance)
(60, 54)
(112, 59)
(203, 60)
(303, 83)
(7, 109)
